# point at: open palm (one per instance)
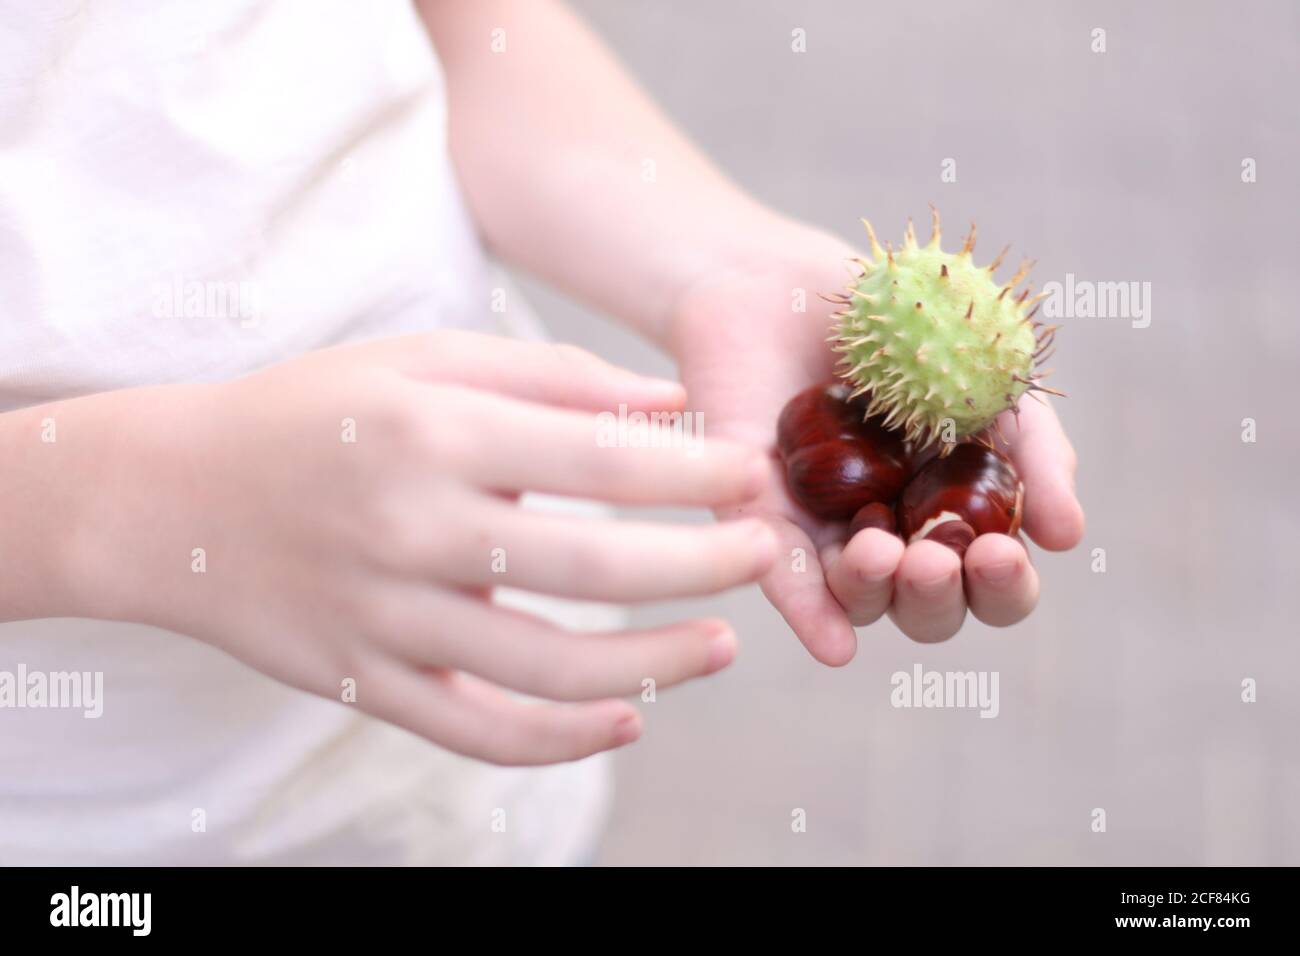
(743, 351)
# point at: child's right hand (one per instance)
(326, 559)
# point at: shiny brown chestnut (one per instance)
(957, 535)
(974, 484)
(833, 479)
(877, 514)
(835, 462)
(817, 414)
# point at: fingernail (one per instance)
(721, 650)
(998, 573)
(666, 385)
(878, 572)
(933, 587)
(628, 729)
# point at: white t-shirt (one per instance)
(190, 192)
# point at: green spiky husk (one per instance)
(940, 347)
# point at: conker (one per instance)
(874, 515)
(974, 484)
(832, 479)
(957, 535)
(835, 462)
(818, 414)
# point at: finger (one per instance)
(1001, 584)
(929, 605)
(533, 656)
(862, 576)
(545, 372)
(601, 560)
(571, 453)
(470, 717)
(797, 588)
(1046, 462)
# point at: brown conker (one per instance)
(835, 461)
(877, 514)
(817, 414)
(974, 484)
(957, 535)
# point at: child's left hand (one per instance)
(743, 351)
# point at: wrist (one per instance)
(783, 254)
(48, 477)
(109, 488)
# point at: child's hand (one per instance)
(743, 352)
(692, 262)
(355, 506)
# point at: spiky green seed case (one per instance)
(940, 347)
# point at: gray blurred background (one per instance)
(1124, 690)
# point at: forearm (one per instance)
(46, 477)
(573, 174)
